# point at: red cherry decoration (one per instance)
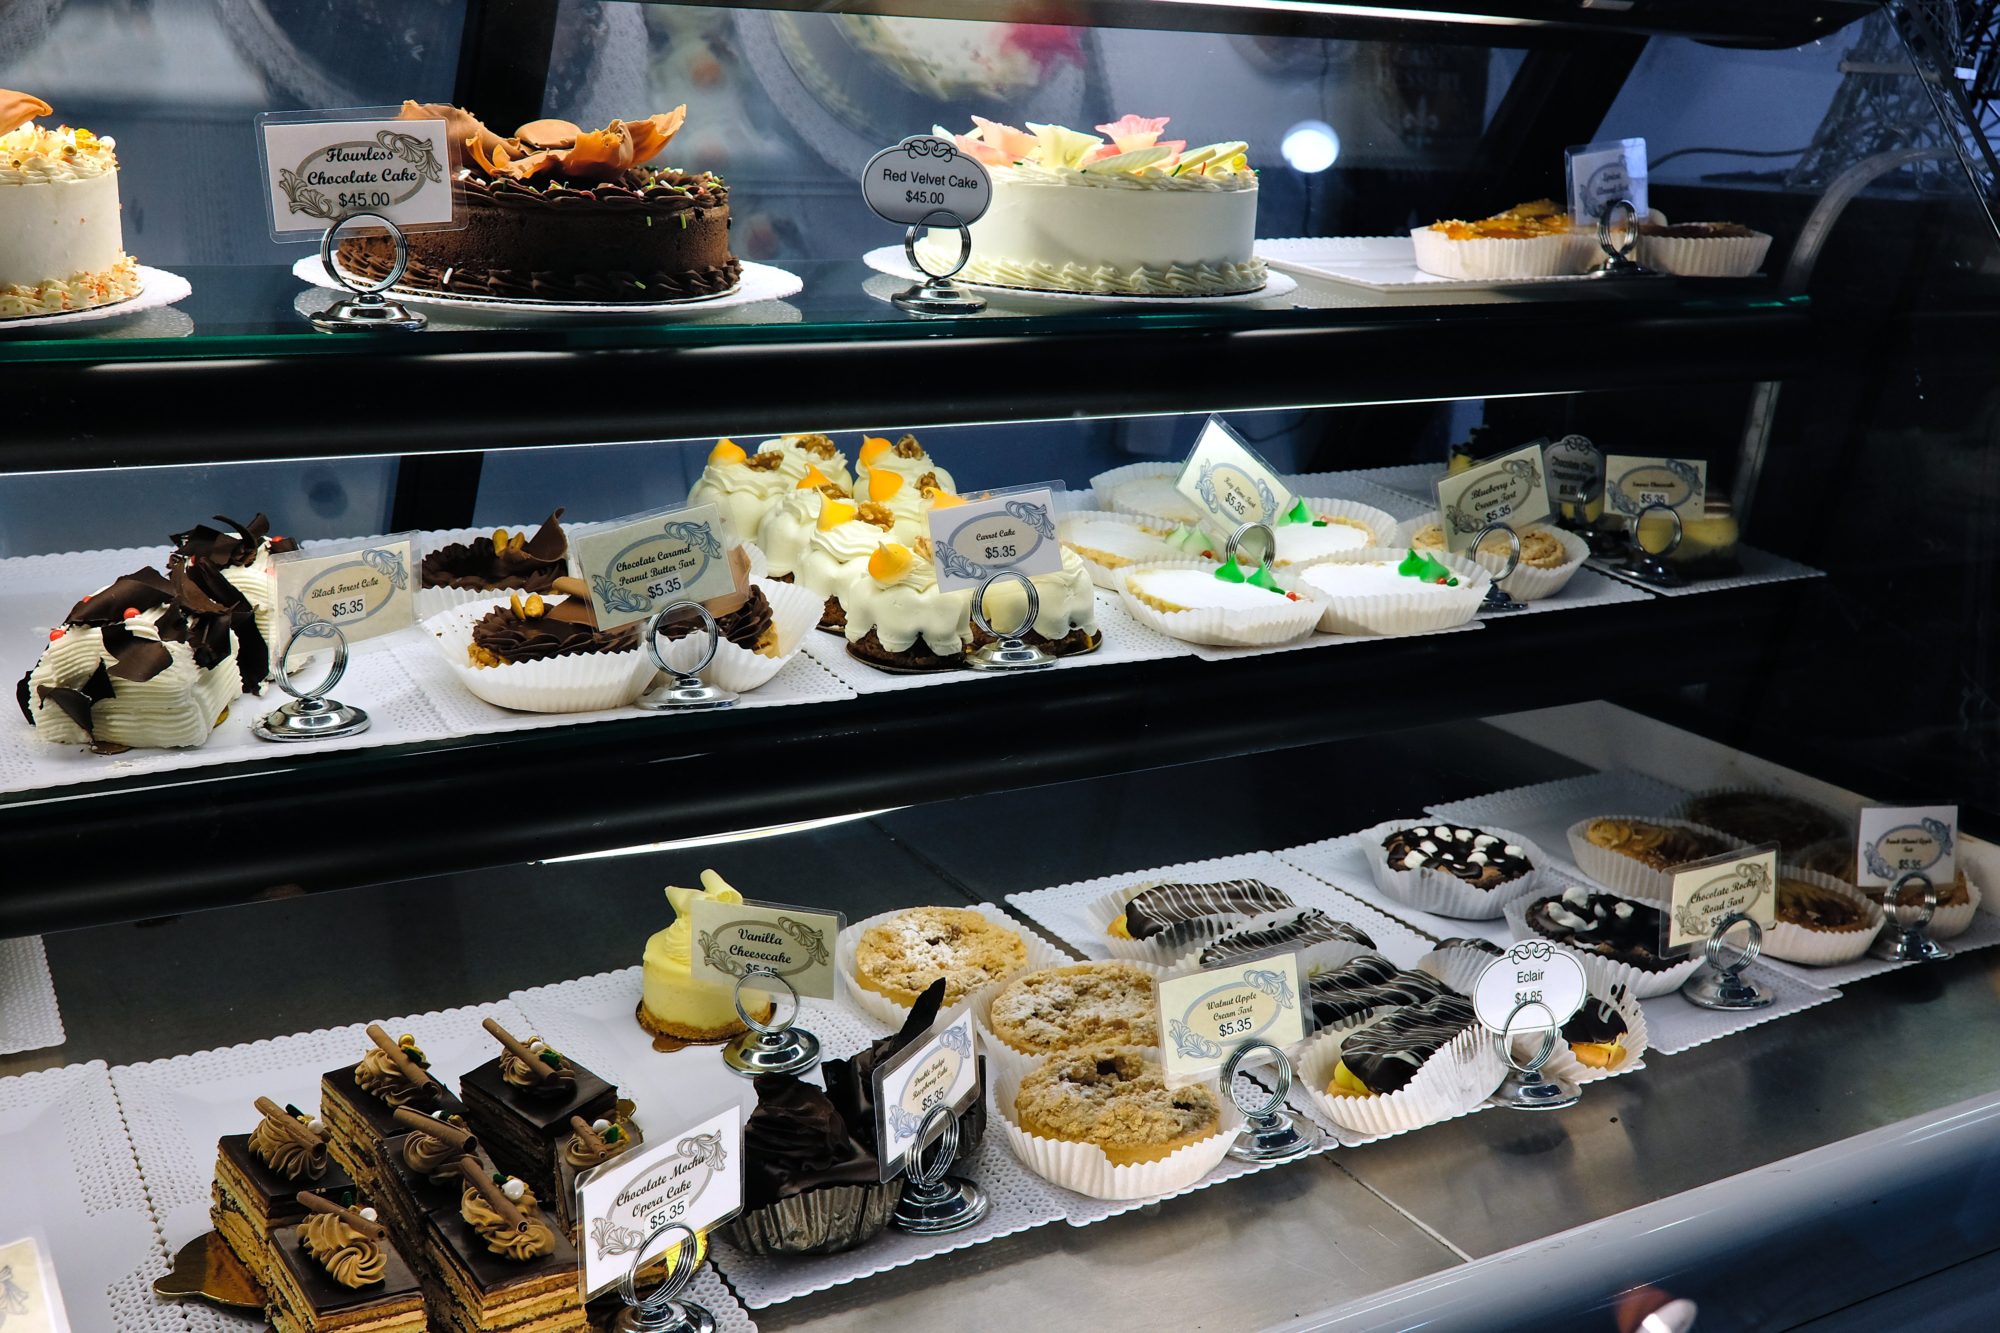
(55, 634)
(131, 613)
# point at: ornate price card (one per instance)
(1532, 972)
(364, 589)
(923, 175)
(638, 565)
(1600, 174)
(694, 1178)
(1576, 470)
(940, 1070)
(1206, 1015)
(1904, 840)
(1015, 530)
(30, 1301)
(1631, 483)
(321, 166)
(1227, 480)
(1707, 891)
(1508, 488)
(732, 938)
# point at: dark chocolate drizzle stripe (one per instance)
(1311, 926)
(1366, 984)
(1473, 943)
(609, 285)
(661, 192)
(1386, 1055)
(1164, 906)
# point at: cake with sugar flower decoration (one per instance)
(62, 247)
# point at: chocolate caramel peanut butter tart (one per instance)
(532, 629)
(504, 561)
(750, 626)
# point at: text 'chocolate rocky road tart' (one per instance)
(565, 214)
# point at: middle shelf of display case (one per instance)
(152, 844)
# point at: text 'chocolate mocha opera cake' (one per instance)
(560, 213)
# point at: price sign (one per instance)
(732, 938)
(1907, 840)
(29, 1297)
(638, 565)
(926, 174)
(1632, 483)
(1010, 530)
(1227, 480)
(1599, 174)
(1206, 1015)
(363, 588)
(321, 166)
(1707, 891)
(1576, 470)
(940, 1070)
(694, 1177)
(1507, 488)
(1533, 972)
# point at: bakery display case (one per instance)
(1451, 474)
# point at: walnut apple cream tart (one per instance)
(561, 213)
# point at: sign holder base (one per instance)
(1526, 1088)
(368, 310)
(770, 1048)
(311, 716)
(1720, 985)
(935, 1202)
(1270, 1134)
(1908, 941)
(1497, 598)
(686, 692)
(1009, 651)
(938, 296)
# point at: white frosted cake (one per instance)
(1126, 215)
(61, 246)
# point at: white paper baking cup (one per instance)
(1444, 895)
(1949, 921)
(1704, 256)
(1101, 912)
(1285, 622)
(1381, 524)
(579, 683)
(999, 1054)
(1528, 583)
(1603, 974)
(1494, 258)
(1459, 1076)
(1103, 483)
(1317, 957)
(1620, 873)
(1083, 1167)
(1418, 611)
(794, 613)
(1822, 948)
(1456, 968)
(882, 1009)
(1563, 1063)
(1788, 855)
(1105, 576)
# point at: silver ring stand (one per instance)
(934, 1201)
(1235, 543)
(685, 692)
(1651, 566)
(1526, 1088)
(938, 294)
(1720, 985)
(1498, 598)
(1618, 259)
(770, 1048)
(311, 716)
(1009, 651)
(1906, 940)
(662, 1310)
(1269, 1133)
(368, 310)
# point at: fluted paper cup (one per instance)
(1458, 1076)
(794, 612)
(821, 1221)
(1161, 502)
(1622, 874)
(1823, 948)
(884, 1010)
(1440, 894)
(1083, 1167)
(1004, 1056)
(1602, 973)
(1487, 259)
(1104, 575)
(579, 683)
(1704, 256)
(1420, 610)
(1528, 583)
(1166, 948)
(1563, 1062)
(1285, 622)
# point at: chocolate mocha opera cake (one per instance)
(502, 1262)
(360, 1101)
(560, 213)
(520, 1103)
(337, 1272)
(258, 1176)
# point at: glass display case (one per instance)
(1751, 601)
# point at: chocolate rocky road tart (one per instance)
(1472, 856)
(1590, 920)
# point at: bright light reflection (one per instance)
(712, 839)
(1310, 146)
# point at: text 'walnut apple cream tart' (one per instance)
(561, 213)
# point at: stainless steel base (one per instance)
(688, 697)
(1712, 989)
(1907, 946)
(1499, 599)
(309, 720)
(792, 1051)
(1008, 655)
(364, 315)
(1279, 1139)
(953, 1205)
(938, 298)
(692, 1319)
(1533, 1092)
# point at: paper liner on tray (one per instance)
(1083, 1167)
(1528, 583)
(1440, 894)
(1284, 622)
(1605, 973)
(1106, 576)
(1822, 948)
(1000, 1055)
(794, 613)
(821, 1221)
(1459, 1075)
(887, 1011)
(1563, 1062)
(579, 683)
(1423, 608)
(1622, 874)
(1704, 256)
(1498, 258)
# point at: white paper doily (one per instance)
(760, 282)
(889, 260)
(1544, 811)
(157, 288)
(29, 1017)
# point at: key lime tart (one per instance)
(1224, 606)
(1126, 214)
(62, 247)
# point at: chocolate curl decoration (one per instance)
(77, 703)
(490, 1192)
(549, 542)
(289, 1124)
(22, 700)
(405, 1066)
(317, 1203)
(456, 1135)
(135, 659)
(253, 655)
(205, 599)
(570, 587)
(141, 590)
(589, 1137)
(540, 1068)
(234, 544)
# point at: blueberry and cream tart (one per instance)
(1470, 855)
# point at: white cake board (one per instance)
(157, 289)
(760, 282)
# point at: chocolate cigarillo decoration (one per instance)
(495, 1198)
(589, 1137)
(539, 1073)
(457, 1136)
(415, 1073)
(317, 1203)
(285, 1124)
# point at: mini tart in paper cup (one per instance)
(1371, 603)
(1083, 1167)
(794, 613)
(1441, 894)
(1501, 259)
(1948, 922)
(1564, 1062)
(821, 1221)
(1793, 943)
(1107, 542)
(1528, 583)
(1623, 875)
(1457, 1077)
(1168, 948)
(1146, 490)
(1001, 1054)
(1359, 525)
(1251, 625)
(1603, 973)
(578, 683)
(1704, 256)
(886, 1010)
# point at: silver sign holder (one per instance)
(1906, 939)
(1235, 541)
(662, 1310)
(1720, 985)
(1497, 597)
(1651, 566)
(686, 692)
(1008, 651)
(1526, 1088)
(1270, 1134)
(937, 294)
(770, 1048)
(311, 716)
(1618, 258)
(935, 1201)
(367, 310)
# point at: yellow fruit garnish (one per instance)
(1119, 930)
(834, 512)
(889, 562)
(813, 480)
(946, 500)
(882, 486)
(872, 448)
(726, 451)
(1346, 1085)
(499, 539)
